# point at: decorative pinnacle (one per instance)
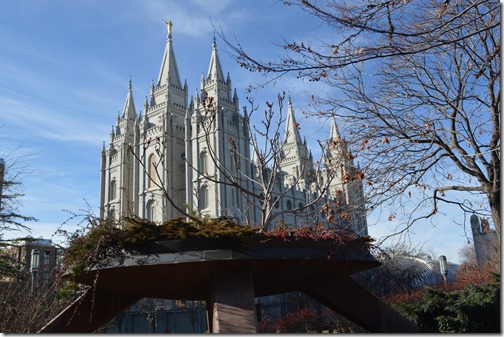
(169, 26)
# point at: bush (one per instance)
(305, 320)
(474, 309)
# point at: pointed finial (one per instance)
(169, 26)
(214, 44)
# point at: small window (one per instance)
(111, 214)
(203, 165)
(289, 204)
(113, 189)
(203, 197)
(151, 171)
(150, 211)
(47, 257)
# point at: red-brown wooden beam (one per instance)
(348, 298)
(90, 311)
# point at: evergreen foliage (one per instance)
(10, 220)
(474, 309)
(104, 240)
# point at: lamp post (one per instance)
(443, 265)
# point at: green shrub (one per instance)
(474, 309)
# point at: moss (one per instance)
(226, 228)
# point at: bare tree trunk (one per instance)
(494, 199)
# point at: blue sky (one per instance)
(64, 73)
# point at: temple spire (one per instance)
(129, 111)
(169, 70)
(292, 134)
(146, 104)
(215, 68)
(335, 135)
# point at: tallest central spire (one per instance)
(169, 71)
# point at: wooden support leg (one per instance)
(233, 304)
(90, 311)
(209, 315)
(350, 299)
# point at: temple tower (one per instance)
(217, 144)
(116, 197)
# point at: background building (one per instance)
(486, 241)
(40, 258)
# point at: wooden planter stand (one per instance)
(228, 276)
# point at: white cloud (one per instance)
(53, 123)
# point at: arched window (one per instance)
(289, 204)
(203, 165)
(150, 211)
(111, 214)
(203, 197)
(113, 190)
(151, 171)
